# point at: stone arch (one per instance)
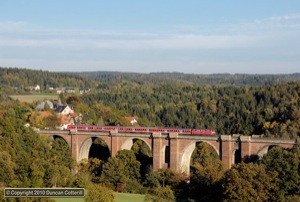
(185, 156)
(145, 161)
(129, 143)
(84, 149)
(264, 150)
(236, 156)
(55, 136)
(166, 155)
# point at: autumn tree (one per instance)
(143, 155)
(160, 194)
(121, 169)
(206, 172)
(61, 164)
(249, 182)
(168, 178)
(285, 162)
(30, 160)
(97, 192)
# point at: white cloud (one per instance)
(286, 17)
(243, 35)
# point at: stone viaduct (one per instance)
(171, 150)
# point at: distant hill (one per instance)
(210, 79)
(20, 77)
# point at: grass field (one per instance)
(69, 199)
(34, 97)
(125, 197)
(120, 197)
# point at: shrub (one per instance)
(160, 194)
(97, 192)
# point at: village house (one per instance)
(32, 88)
(60, 90)
(41, 106)
(131, 119)
(69, 90)
(65, 120)
(83, 91)
(37, 88)
(64, 109)
(65, 112)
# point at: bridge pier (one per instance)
(157, 151)
(174, 153)
(114, 147)
(245, 147)
(74, 147)
(227, 150)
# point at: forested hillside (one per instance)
(180, 100)
(16, 79)
(272, 110)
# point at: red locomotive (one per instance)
(141, 129)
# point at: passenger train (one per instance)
(140, 129)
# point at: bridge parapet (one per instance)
(262, 139)
(48, 131)
(156, 135)
(173, 135)
(230, 138)
(273, 140)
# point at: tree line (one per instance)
(15, 78)
(209, 79)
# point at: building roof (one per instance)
(41, 106)
(46, 114)
(131, 119)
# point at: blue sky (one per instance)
(191, 36)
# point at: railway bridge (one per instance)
(171, 150)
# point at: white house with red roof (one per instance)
(131, 119)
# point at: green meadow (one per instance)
(30, 98)
(120, 197)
